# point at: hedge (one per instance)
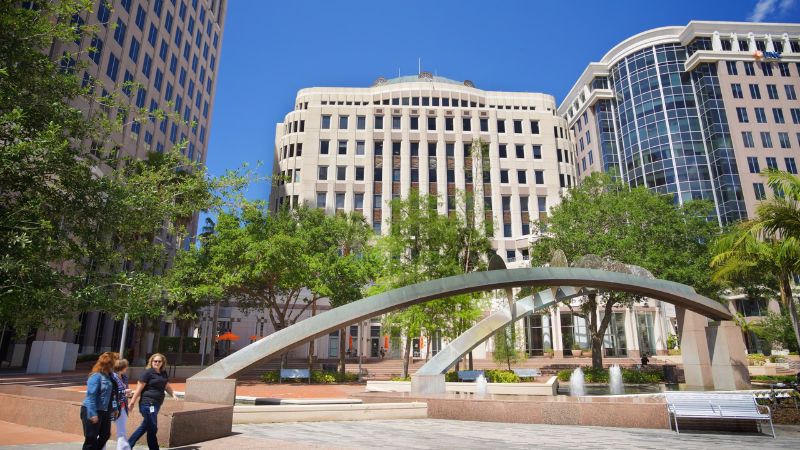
(631, 376)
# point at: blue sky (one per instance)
(270, 50)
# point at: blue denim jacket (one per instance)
(98, 394)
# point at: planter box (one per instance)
(549, 387)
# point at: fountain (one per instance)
(481, 386)
(615, 380)
(577, 386)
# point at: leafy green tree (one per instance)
(425, 245)
(623, 226)
(507, 347)
(744, 254)
(776, 328)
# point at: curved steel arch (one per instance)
(486, 328)
(301, 332)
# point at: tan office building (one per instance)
(696, 111)
(354, 149)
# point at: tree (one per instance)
(746, 253)
(507, 347)
(425, 245)
(625, 226)
(776, 328)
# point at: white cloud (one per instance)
(766, 8)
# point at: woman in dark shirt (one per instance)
(150, 388)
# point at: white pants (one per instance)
(122, 440)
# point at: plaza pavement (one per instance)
(448, 434)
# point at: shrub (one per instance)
(674, 351)
(401, 379)
(317, 377)
(501, 376)
(270, 377)
(631, 376)
(756, 359)
(773, 378)
(451, 377)
(777, 359)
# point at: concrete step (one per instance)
(329, 412)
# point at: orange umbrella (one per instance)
(421, 341)
(228, 336)
(351, 341)
(254, 338)
(386, 341)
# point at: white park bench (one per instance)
(719, 406)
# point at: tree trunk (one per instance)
(179, 359)
(469, 361)
(311, 342)
(597, 337)
(213, 335)
(791, 307)
(406, 356)
(138, 356)
(342, 347)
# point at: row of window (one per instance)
(772, 164)
(520, 150)
(766, 139)
(358, 172)
(413, 124)
(761, 115)
(772, 91)
(766, 68)
(420, 101)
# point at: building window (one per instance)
(324, 147)
(342, 147)
(113, 67)
(790, 94)
(772, 91)
(502, 151)
(396, 145)
(766, 67)
(783, 138)
(752, 163)
(736, 88)
(518, 127)
(795, 115)
(542, 204)
(466, 124)
(537, 152)
(766, 139)
(741, 113)
(534, 127)
(772, 163)
(451, 176)
(501, 126)
(431, 123)
(358, 200)
(359, 173)
(504, 176)
(395, 175)
(755, 92)
(414, 122)
(791, 167)
(415, 149)
(761, 116)
(520, 151)
(484, 125)
(758, 190)
(343, 122)
(361, 122)
(747, 138)
(360, 148)
(521, 177)
(340, 200)
(777, 114)
(378, 122)
(450, 149)
(784, 67)
(731, 65)
(341, 173)
(448, 124)
(321, 198)
(326, 122)
(396, 122)
(539, 176)
(749, 68)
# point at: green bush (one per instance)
(501, 376)
(451, 377)
(401, 379)
(317, 377)
(631, 376)
(756, 359)
(777, 359)
(773, 378)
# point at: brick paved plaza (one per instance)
(446, 434)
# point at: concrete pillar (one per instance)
(787, 46)
(735, 43)
(428, 384)
(716, 42)
(728, 356)
(211, 390)
(631, 333)
(694, 349)
(770, 45)
(555, 331)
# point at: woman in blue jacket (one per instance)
(95, 412)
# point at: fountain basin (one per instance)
(548, 387)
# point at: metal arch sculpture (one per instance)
(311, 328)
(486, 328)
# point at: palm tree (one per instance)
(749, 250)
